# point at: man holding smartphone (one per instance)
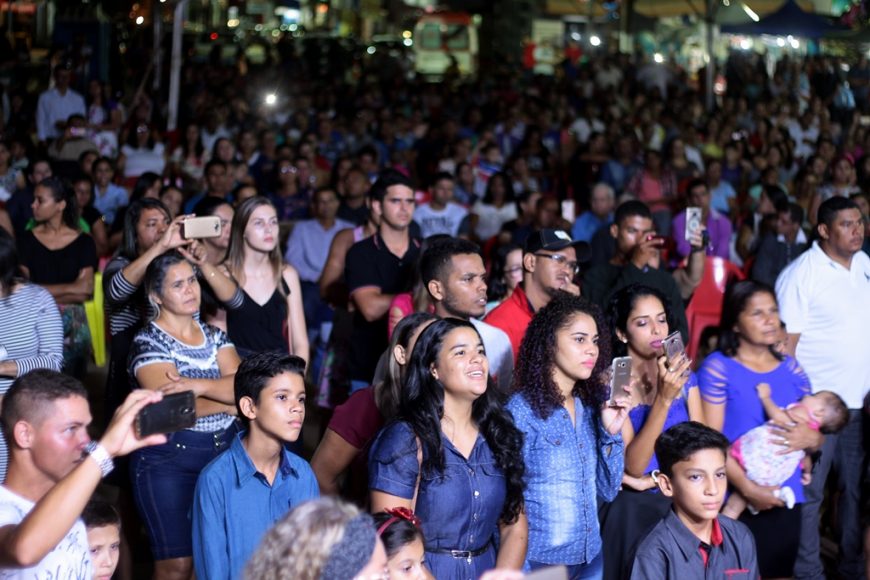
(54, 468)
(687, 221)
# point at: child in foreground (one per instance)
(693, 540)
(400, 531)
(759, 453)
(103, 525)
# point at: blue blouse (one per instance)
(724, 381)
(460, 508)
(569, 466)
(677, 413)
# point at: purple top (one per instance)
(724, 381)
(678, 413)
(718, 228)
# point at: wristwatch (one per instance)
(99, 454)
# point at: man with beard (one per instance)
(550, 262)
(636, 261)
(455, 277)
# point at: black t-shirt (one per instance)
(357, 216)
(370, 263)
(57, 266)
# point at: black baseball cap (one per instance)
(555, 240)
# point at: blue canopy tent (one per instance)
(790, 19)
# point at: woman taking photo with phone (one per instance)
(666, 392)
(747, 357)
(148, 234)
(572, 445)
(177, 352)
(453, 456)
(271, 316)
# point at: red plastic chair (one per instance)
(705, 307)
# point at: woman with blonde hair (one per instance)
(271, 316)
(320, 539)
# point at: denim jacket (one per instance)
(568, 467)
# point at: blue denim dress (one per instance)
(459, 509)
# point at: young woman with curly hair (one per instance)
(454, 457)
(572, 449)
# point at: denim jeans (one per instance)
(164, 478)
(844, 452)
(593, 570)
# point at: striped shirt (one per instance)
(126, 305)
(32, 333)
(154, 345)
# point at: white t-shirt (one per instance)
(829, 306)
(445, 221)
(70, 559)
(491, 218)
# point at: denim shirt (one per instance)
(459, 509)
(234, 506)
(568, 467)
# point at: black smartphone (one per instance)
(173, 413)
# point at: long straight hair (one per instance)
(236, 251)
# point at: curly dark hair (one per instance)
(422, 407)
(620, 307)
(533, 375)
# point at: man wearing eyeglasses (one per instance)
(550, 263)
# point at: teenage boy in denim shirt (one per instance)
(244, 491)
(693, 540)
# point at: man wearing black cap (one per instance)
(550, 262)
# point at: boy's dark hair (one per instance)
(631, 208)
(836, 413)
(438, 255)
(99, 513)
(387, 179)
(831, 207)
(255, 371)
(683, 440)
(30, 394)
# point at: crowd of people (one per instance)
(448, 277)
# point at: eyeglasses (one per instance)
(514, 270)
(561, 261)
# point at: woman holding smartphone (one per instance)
(572, 445)
(453, 457)
(175, 352)
(271, 315)
(666, 394)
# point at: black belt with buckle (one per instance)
(467, 554)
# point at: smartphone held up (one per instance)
(197, 228)
(620, 379)
(174, 412)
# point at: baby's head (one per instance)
(399, 529)
(828, 409)
(104, 537)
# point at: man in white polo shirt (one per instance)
(824, 300)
